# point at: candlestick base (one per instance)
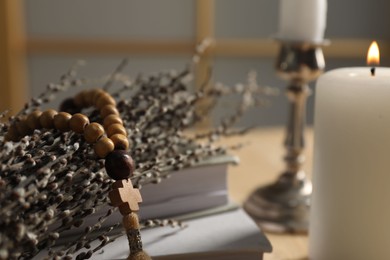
(282, 206)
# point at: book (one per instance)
(201, 187)
(227, 235)
(216, 228)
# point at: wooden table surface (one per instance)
(260, 163)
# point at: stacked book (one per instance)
(200, 187)
(228, 235)
(216, 228)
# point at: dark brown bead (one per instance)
(12, 134)
(89, 97)
(23, 128)
(69, 106)
(80, 99)
(119, 165)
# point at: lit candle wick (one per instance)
(373, 57)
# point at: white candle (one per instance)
(350, 213)
(302, 20)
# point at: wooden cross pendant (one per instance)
(124, 196)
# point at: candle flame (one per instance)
(373, 56)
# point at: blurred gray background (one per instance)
(176, 20)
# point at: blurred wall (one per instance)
(176, 20)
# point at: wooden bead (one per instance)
(78, 122)
(93, 132)
(33, 120)
(47, 118)
(61, 121)
(80, 99)
(103, 147)
(116, 129)
(108, 110)
(110, 120)
(120, 142)
(96, 93)
(131, 221)
(103, 100)
(69, 106)
(88, 98)
(119, 165)
(23, 128)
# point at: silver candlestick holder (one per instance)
(283, 206)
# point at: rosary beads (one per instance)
(110, 143)
(116, 136)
